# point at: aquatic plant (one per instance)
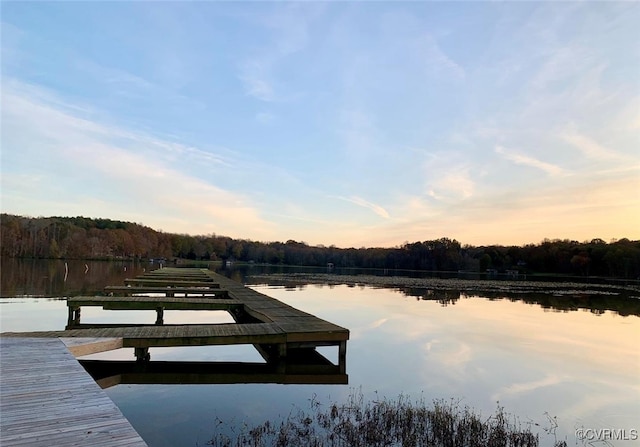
(385, 423)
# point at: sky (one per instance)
(355, 124)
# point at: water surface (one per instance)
(580, 365)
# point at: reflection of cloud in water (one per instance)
(453, 356)
(359, 332)
(378, 323)
(525, 387)
(401, 327)
(606, 405)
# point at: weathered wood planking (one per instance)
(297, 324)
(178, 335)
(47, 399)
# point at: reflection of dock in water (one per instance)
(306, 368)
(286, 338)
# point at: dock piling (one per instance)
(160, 315)
(142, 354)
(73, 318)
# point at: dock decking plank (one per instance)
(226, 333)
(47, 398)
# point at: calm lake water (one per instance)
(581, 366)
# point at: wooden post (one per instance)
(70, 316)
(160, 313)
(342, 357)
(142, 354)
(281, 366)
(73, 318)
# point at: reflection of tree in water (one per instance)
(444, 297)
(560, 302)
(30, 277)
(561, 297)
(596, 304)
(46, 278)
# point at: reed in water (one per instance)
(387, 422)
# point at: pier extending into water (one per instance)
(271, 326)
(48, 399)
(286, 338)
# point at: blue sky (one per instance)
(346, 123)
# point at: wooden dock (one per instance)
(48, 399)
(270, 325)
(43, 402)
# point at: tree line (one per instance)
(87, 238)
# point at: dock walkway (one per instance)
(48, 399)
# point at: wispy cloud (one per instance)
(439, 61)
(26, 102)
(119, 78)
(448, 176)
(456, 183)
(380, 211)
(255, 78)
(565, 62)
(127, 168)
(589, 147)
(526, 160)
(286, 29)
